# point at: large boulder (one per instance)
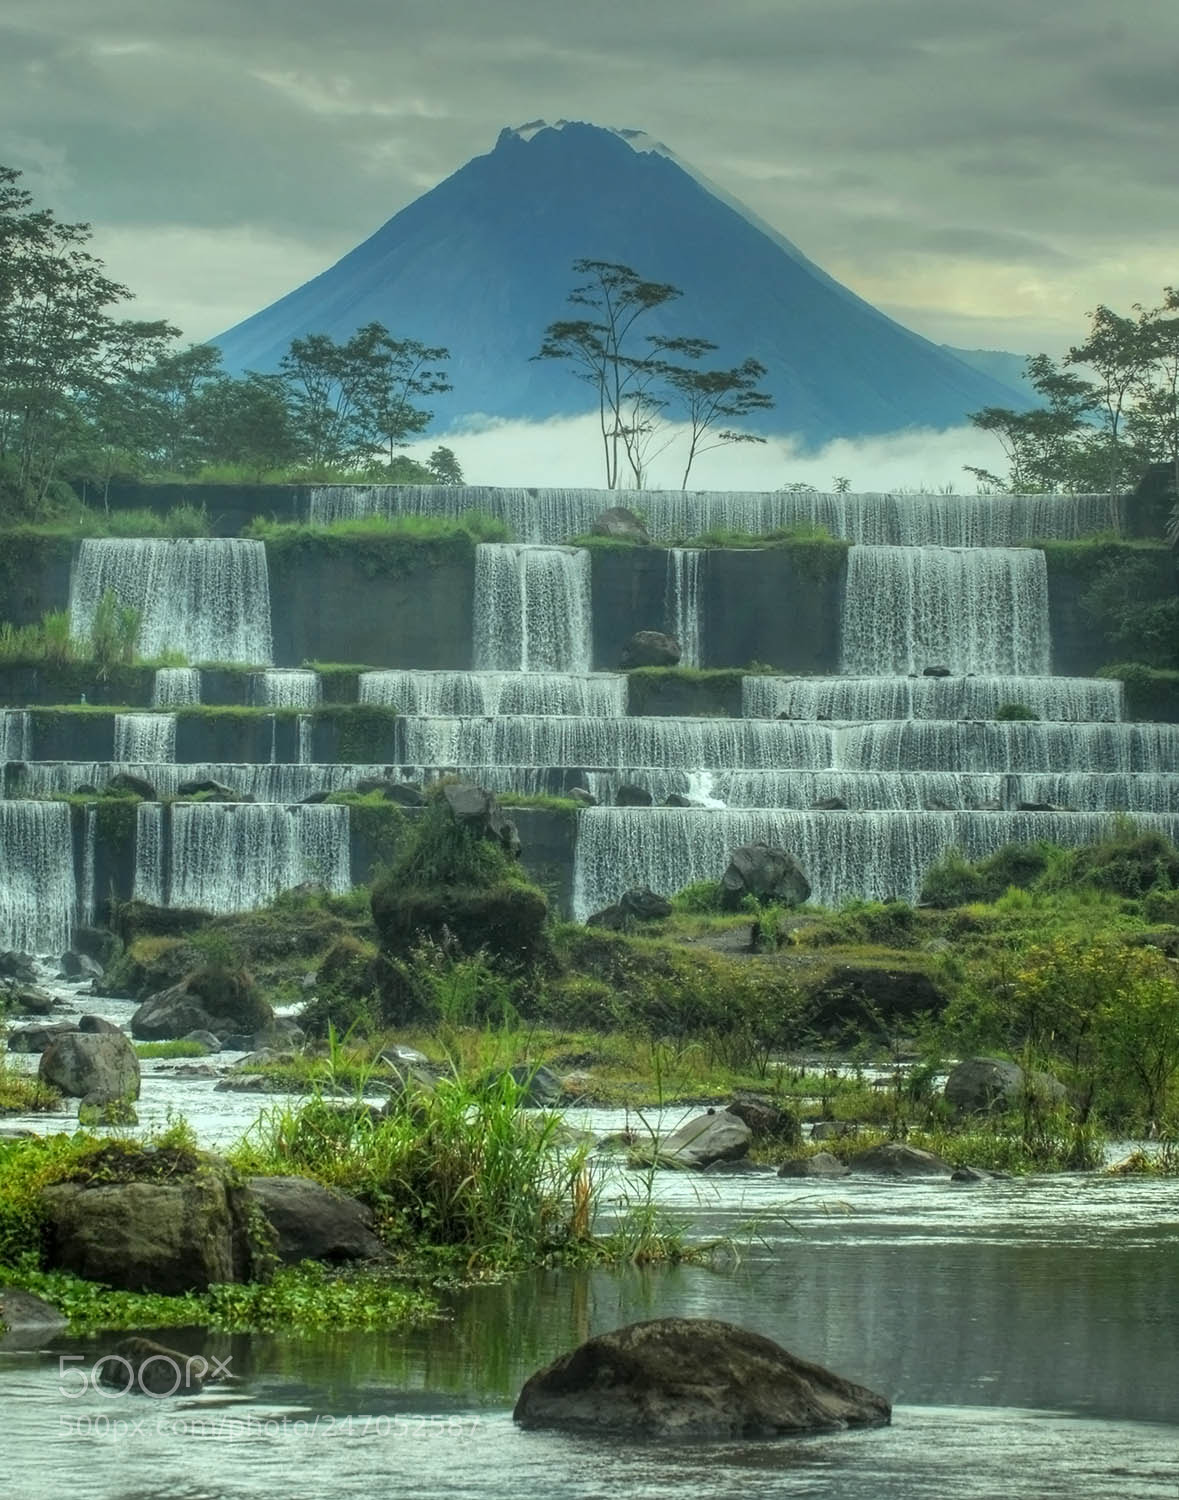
(982, 1085)
(631, 908)
(821, 1164)
(698, 1143)
(165, 1221)
(629, 794)
(210, 791)
(26, 1322)
(126, 784)
(692, 1378)
(313, 1222)
(765, 1117)
(75, 965)
(650, 648)
(766, 873)
(28, 1039)
(19, 966)
(870, 999)
(895, 1159)
(621, 524)
(17, 999)
(212, 999)
(91, 1065)
(478, 811)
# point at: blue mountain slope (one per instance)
(481, 264)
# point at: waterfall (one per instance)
(532, 608)
(981, 610)
(558, 515)
(237, 856)
(15, 737)
(459, 694)
(871, 855)
(89, 894)
(149, 883)
(862, 699)
(286, 687)
(682, 602)
(208, 597)
(256, 781)
(175, 686)
(694, 744)
(929, 745)
(37, 883)
(146, 738)
(306, 746)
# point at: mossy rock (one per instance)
(507, 920)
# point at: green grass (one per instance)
(170, 1049)
(83, 522)
(473, 526)
(23, 1093)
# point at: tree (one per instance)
(708, 398)
(246, 422)
(445, 467)
(641, 381)
(1042, 445)
(59, 347)
(175, 383)
(402, 368)
(603, 351)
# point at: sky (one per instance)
(984, 171)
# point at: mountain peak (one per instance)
(482, 264)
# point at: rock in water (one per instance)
(313, 1222)
(650, 648)
(622, 524)
(764, 872)
(979, 1085)
(700, 1142)
(79, 1063)
(692, 1378)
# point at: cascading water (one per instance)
(558, 515)
(532, 608)
(928, 745)
(863, 699)
(256, 781)
(146, 738)
(88, 899)
(286, 687)
(873, 855)
(15, 737)
(176, 686)
(208, 597)
(37, 884)
(971, 610)
(458, 694)
(234, 856)
(150, 883)
(682, 602)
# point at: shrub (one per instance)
(1013, 711)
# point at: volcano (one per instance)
(482, 264)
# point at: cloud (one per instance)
(567, 453)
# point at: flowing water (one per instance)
(38, 894)
(682, 602)
(286, 687)
(145, 738)
(559, 515)
(176, 686)
(866, 698)
(532, 608)
(208, 597)
(457, 694)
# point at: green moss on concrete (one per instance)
(1151, 692)
(703, 692)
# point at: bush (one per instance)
(1014, 711)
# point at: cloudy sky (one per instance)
(985, 171)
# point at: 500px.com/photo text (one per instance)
(226, 1425)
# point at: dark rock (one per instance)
(692, 1378)
(19, 966)
(629, 795)
(26, 1322)
(210, 791)
(182, 1232)
(315, 799)
(829, 804)
(622, 524)
(632, 907)
(211, 999)
(937, 672)
(76, 965)
(650, 648)
(313, 1222)
(765, 1117)
(832, 1130)
(281, 1033)
(479, 812)
(580, 794)
(864, 999)
(27, 1039)
(143, 1367)
(895, 1159)
(677, 799)
(123, 784)
(171, 1014)
(700, 1141)
(19, 999)
(206, 1039)
(79, 1064)
(821, 1164)
(971, 1174)
(98, 1026)
(540, 1088)
(766, 873)
(405, 794)
(236, 1042)
(981, 1085)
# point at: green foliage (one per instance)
(472, 526)
(1151, 692)
(954, 881)
(441, 851)
(23, 1093)
(170, 1049)
(1015, 711)
(114, 632)
(704, 896)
